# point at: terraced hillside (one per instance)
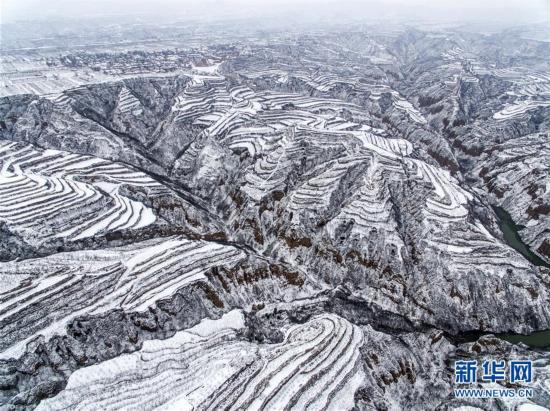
(307, 223)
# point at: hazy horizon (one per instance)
(511, 12)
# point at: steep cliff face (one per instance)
(266, 238)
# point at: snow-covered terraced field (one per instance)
(448, 201)
(209, 367)
(314, 194)
(79, 193)
(128, 103)
(67, 285)
(531, 91)
(230, 114)
(519, 108)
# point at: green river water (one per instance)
(510, 230)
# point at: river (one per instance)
(540, 339)
(512, 238)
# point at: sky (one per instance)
(510, 11)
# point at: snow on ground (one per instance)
(94, 282)
(209, 366)
(78, 194)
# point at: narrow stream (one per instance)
(540, 339)
(512, 238)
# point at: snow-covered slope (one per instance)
(303, 223)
